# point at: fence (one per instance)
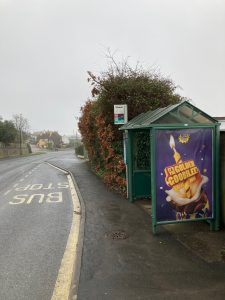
(13, 150)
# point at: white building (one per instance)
(222, 122)
(65, 140)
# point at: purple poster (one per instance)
(184, 174)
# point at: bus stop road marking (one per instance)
(6, 193)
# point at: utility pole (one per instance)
(20, 137)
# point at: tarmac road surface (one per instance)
(36, 214)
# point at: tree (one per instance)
(52, 137)
(22, 126)
(120, 84)
(8, 132)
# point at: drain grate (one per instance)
(119, 235)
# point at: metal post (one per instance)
(130, 166)
(20, 136)
(153, 184)
(217, 179)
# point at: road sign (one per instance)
(120, 114)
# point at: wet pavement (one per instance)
(122, 259)
(195, 236)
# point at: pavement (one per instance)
(122, 260)
(195, 236)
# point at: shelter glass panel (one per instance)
(185, 114)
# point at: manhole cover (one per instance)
(119, 235)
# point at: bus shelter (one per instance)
(172, 157)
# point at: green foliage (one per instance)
(120, 84)
(50, 145)
(140, 90)
(141, 149)
(8, 132)
(79, 150)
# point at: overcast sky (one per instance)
(47, 46)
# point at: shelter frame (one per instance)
(215, 220)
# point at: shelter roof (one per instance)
(181, 113)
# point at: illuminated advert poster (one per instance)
(184, 183)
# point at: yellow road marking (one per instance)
(65, 275)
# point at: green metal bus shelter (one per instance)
(172, 157)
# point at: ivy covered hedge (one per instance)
(142, 91)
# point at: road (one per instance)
(36, 214)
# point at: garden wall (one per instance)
(12, 150)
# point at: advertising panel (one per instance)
(184, 174)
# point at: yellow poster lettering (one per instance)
(54, 197)
(178, 173)
(177, 169)
(187, 165)
(176, 178)
(180, 176)
(181, 167)
(192, 164)
(194, 170)
(170, 181)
